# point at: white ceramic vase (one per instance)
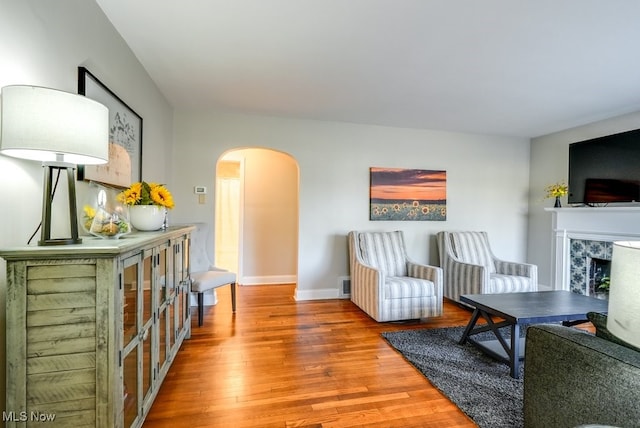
(147, 217)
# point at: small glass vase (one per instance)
(103, 215)
(557, 204)
(147, 218)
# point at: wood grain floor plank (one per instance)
(281, 363)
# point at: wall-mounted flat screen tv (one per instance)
(605, 170)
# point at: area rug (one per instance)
(479, 385)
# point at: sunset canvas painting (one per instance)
(408, 194)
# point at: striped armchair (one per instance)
(386, 284)
(471, 268)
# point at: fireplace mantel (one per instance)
(590, 223)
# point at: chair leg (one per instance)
(233, 296)
(200, 308)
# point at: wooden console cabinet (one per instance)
(92, 329)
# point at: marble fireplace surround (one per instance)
(590, 231)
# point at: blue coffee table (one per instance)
(518, 309)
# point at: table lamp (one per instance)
(61, 130)
(623, 318)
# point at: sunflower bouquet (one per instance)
(143, 193)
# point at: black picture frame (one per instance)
(125, 136)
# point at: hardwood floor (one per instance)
(282, 363)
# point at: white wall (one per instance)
(487, 183)
(550, 164)
(42, 43)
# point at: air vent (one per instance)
(344, 285)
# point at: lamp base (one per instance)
(60, 241)
(45, 236)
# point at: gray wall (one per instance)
(42, 43)
(487, 183)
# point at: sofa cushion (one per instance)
(599, 321)
(572, 378)
(204, 281)
(408, 288)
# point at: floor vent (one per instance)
(344, 283)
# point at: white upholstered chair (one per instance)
(204, 275)
(471, 268)
(386, 284)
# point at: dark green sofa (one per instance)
(574, 378)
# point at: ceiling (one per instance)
(515, 68)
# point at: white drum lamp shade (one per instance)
(61, 130)
(623, 318)
(48, 125)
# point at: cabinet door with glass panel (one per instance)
(130, 284)
(183, 288)
(153, 302)
(136, 352)
(164, 280)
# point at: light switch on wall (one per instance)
(201, 199)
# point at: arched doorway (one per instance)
(256, 225)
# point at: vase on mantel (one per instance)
(557, 204)
(147, 218)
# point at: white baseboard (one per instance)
(268, 280)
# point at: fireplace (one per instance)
(600, 271)
(583, 243)
(589, 265)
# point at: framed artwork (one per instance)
(399, 194)
(125, 136)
